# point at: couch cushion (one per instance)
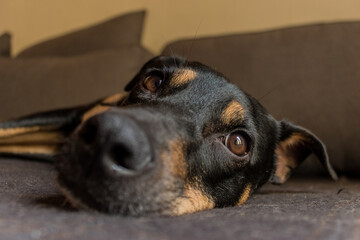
(36, 84)
(309, 75)
(5, 45)
(31, 207)
(121, 31)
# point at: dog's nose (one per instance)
(118, 142)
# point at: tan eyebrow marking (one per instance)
(245, 195)
(234, 111)
(182, 76)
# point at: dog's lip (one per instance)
(75, 194)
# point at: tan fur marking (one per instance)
(34, 137)
(113, 99)
(94, 111)
(193, 200)
(7, 132)
(285, 161)
(177, 158)
(182, 76)
(31, 149)
(234, 111)
(245, 195)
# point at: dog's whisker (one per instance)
(269, 92)
(192, 42)
(174, 58)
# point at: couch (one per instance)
(308, 75)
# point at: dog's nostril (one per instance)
(122, 157)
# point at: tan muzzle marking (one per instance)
(245, 195)
(193, 200)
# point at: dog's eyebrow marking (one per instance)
(94, 111)
(233, 112)
(182, 76)
(245, 195)
(193, 200)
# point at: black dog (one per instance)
(181, 139)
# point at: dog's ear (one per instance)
(294, 146)
(39, 136)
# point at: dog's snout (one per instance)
(117, 142)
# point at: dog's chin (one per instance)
(137, 206)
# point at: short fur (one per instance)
(163, 152)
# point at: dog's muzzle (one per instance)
(123, 161)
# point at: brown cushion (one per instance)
(5, 45)
(309, 75)
(37, 84)
(124, 30)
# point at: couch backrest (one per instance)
(309, 75)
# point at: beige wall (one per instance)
(31, 21)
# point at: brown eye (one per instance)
(237, 144)
(153, 82)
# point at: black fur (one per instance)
(188, 116)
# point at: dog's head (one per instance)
(182, 139)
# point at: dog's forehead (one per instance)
(207, 89)
(205, 94)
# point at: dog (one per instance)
(181, 139)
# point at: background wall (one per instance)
(167, 20)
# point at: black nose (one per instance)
(117, 142)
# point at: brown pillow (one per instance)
(124, 30)
(309, 75)
(5, 45)
(36, 84)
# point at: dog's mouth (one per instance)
(106, 187)
(110, 165)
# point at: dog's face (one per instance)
(182, 139)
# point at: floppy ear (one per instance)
(294, 146)
(39, 136)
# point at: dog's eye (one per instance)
(237, 143)
(153, 82)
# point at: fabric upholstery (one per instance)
(5, 45)
(308, 75)
(121, 31)
(39, 84)
(32, 208)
